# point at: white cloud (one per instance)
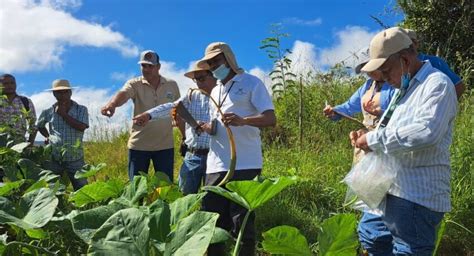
(99, 126)
(168, 69)
(122, 77)
(303, 58)
(349, 41)
(39, 32)
(263, 75)
(298, 21)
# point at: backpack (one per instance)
(25, 102)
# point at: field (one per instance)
(322, 160)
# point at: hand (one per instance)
(108, 110)
(183, 148)
(46, 141)
(370, 107)
(329, 112)
(62, 109)
(359, 139)
(233, 119)
(205, 127)
(141, 119)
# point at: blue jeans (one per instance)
(70, 167)
(192, 173)
(139, 161)
(374, 235)
(412, 227)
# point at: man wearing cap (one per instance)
(416, 131)
(16, 112)
(247, 106)
(438, 63)
(67, 122)
(193, 168)
(153, 142)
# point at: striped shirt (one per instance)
(66, 142)
(418, 136)
(198, 106)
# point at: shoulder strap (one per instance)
(25, 102)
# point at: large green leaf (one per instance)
(89, 170)
(285, 240)
(10, 187)
(192, 234)
(338, 236)
(30, 169)
(159, 214)
(20, 147)
(87, 222)
(136, 190)
(234, 197)
(220, 235)
(124, 233)
(251, 194)
(184, 206)
(35, 209)
(96, 192)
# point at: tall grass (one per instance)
(325, 157)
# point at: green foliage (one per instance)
(281, 75)
(285, 240)
(445, 29)
(338, 236)
(96, 192)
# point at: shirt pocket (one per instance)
(240, 95)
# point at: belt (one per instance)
(198, 151)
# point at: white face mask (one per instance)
(221, 72)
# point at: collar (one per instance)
(423, 72)
(236, 78)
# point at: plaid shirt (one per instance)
(66, 141)
(198, 106)
(14, 116)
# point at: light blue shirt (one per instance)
(198, 106)
(441, 65)
(353, 105)
(418, 136)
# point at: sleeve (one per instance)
(177, 93)
(161, 111)
(260, 97)
(83, 115)
(129, 90)
(442, 66)
(353, 105)
(432, 118)
(43, 118)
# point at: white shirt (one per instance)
(248, 96)
(418, 135)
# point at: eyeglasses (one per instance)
(200, 78)
(146, 65)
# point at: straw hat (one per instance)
(216, 48)
(61, 84)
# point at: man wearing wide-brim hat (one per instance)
(247, 106)
(67, 122)
(193, 168)
(416, 131)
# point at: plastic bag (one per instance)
(370, 179)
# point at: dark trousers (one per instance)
(139, 161)
(231, 215)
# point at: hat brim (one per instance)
(203, 62)
(147, 62)
(359, 67)
(61, 88)
(373, 65)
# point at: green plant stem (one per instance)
(241, 232)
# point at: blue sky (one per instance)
(95, 43)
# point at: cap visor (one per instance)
(146, 62)
(61, 89)
(373, 65)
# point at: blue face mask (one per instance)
(405, 79)
(221, 72)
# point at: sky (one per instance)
(95, 44)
